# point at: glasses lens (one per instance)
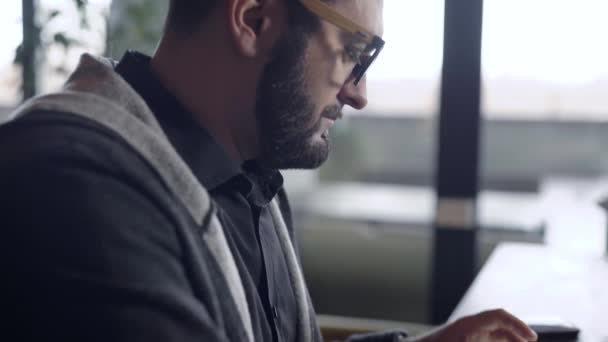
(367, 58)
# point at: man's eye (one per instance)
(352, 55)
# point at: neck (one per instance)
(212, 88)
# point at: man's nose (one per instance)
(354, 95)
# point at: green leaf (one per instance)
(63, 40)
(62, 70)
(54, 14)
(81, 4)
(18, 55)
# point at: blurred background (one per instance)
(366, 218)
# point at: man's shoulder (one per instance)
(51, 158)
(49, 145)
(45, 136)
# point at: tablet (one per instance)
(552, 328)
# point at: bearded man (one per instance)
(144, 202)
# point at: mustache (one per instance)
(333, 112)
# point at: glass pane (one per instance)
(404, 80)
(545, 106)
(545, 59)
(10, 77)
(63, 39)
(59, 61)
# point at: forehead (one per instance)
(367, 13)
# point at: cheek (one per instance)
(321, 96)
(333, 71)
(321, 87)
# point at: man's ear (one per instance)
(253, 25)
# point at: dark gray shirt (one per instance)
(241, 194)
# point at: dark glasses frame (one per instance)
(374, 44)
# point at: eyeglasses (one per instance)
(374, 44)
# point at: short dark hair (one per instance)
(185, 16)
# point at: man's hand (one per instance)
(495, 325)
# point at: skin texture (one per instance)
(299, 137)
(268, 92)
(263, 90)
(494, 325)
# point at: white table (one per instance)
(531, 281)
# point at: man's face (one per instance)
(305, 86)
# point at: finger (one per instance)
(522, 328)
(501, 319)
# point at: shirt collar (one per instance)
(267, 182)
(208, 160)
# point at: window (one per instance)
(545, 60)
(545, 104)
(10, 25)
(404, 81)
(63, 39)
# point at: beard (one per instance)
(285, 112)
